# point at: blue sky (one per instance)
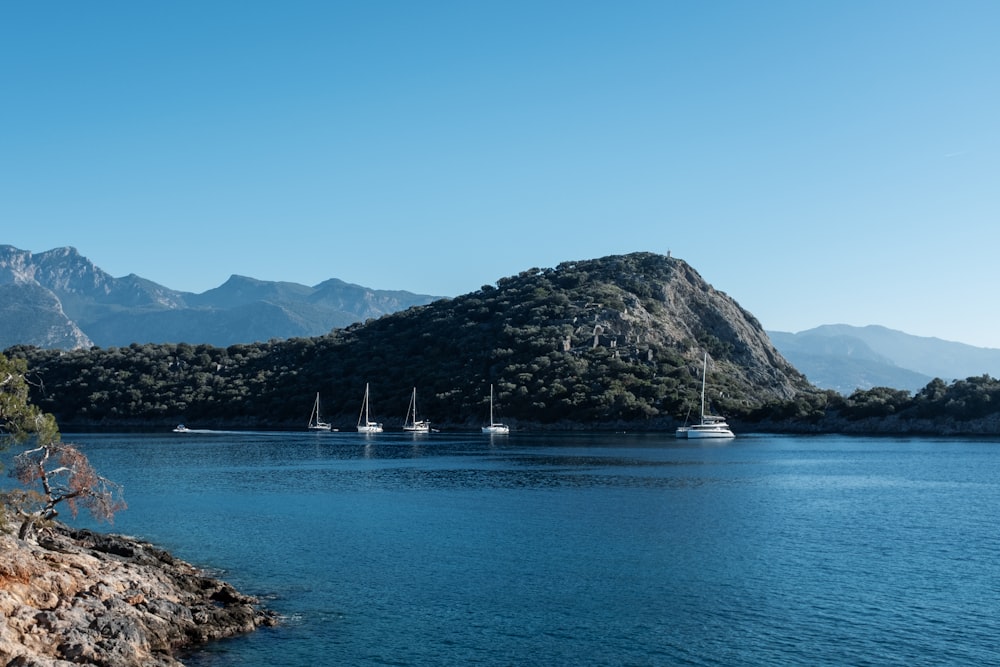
(821, 162)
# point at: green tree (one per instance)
(19, 419)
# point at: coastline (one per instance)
(78, 596)
(828, 424)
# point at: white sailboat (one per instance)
(711, 426)
(316, 422)
(494, 427)
(367, 425)
(410, 423)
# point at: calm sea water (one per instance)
(530, 549)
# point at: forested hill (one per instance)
(610, 341)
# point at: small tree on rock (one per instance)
(60, 469)
(65, 476)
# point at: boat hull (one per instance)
(713, 432)
(419, 427)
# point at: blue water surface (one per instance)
(580, 549)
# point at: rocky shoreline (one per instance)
(77, 597)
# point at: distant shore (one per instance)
(833, 425)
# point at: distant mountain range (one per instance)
(60, 299)
(845, 358)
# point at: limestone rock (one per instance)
(79, 597)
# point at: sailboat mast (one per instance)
(364, 407)
(704, 371)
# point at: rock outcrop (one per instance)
(79, 597)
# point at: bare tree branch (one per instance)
(66, 476)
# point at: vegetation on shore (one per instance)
(603, 342)
(969, 407)
(615, 342)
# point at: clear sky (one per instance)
(822, 162)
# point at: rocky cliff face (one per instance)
(30, 312)
(648, 304)
(79, 597)
(669, 305)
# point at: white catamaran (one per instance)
(366, 425)
(711, 426)
(316, 422)
(494, 427)
(410, 423)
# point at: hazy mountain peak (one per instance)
(845, 357)
(87, 302)
(16, 266)
(64, 270)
